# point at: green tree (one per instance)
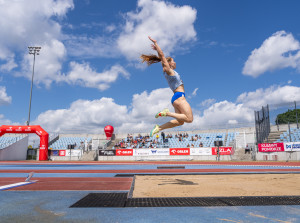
(289, 116)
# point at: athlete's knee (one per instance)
(180, 123)
(189, 119)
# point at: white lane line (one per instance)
(9, 186)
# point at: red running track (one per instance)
(71, 183)
(119, 183)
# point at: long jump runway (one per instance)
(67, 191)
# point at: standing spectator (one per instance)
(163, 136)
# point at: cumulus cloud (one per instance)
(93, 116)
(32, 23)
(275, 95)
(84, 75)
(279, 51)
(4, 98)
(207, 102)
(167, 23)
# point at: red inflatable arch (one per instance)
(44, 136)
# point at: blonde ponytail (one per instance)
(150, 59)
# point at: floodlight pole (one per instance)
(35, 51)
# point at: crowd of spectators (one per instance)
(138, 142)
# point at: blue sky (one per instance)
(234, 57)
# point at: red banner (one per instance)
(271, 147)
(222, 150)
(124, 152)
(62, 152)
(179, 151)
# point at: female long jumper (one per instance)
(183, 112)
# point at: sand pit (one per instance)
(217, 185)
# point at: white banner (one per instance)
(292, 146)
(141, 152)
(202, 151)
(73, 152)
(159, 152)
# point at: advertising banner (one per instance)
(141, 152)
(179, 151)
(124, 152)
(159, 152)
(203, 151)
(292, 146)
(271, 147)
(72, 152)
(62, 152)
(54, 153)
(104, 152)
(222, 150)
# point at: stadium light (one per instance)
(35, 50)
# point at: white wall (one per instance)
(16, 151)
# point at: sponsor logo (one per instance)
(42, 147)
(9, 129)
(179, 151)
(62, 152)
(270, 147)
(222, 150)
(124, 152)
(28, 129)
(39, 132)
(292, 146)
(19, 129)
(153, 151)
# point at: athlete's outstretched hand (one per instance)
(154, 42)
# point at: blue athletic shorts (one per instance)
(177, 95)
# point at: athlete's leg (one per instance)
(171, 124)
(184, 111)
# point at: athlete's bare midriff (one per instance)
(179, 89)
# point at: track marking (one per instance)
(9, 186)
(273, 219)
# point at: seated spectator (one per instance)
(188, 146)
(192, 146)
(201, 144)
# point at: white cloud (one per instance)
(274, 95)
(47, 65)
(84, 75)
(4, 98)
(84, 116)
(167, 23)
(31, 23)
(195, 92)
(93, 116)
(279, 51)
(4, 121)
(222, 113)
(208, 102)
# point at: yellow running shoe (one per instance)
(154, 130)
(162, 113)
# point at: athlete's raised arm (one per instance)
(164, 62)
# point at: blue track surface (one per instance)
(53, 206)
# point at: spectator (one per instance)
(163, 136)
